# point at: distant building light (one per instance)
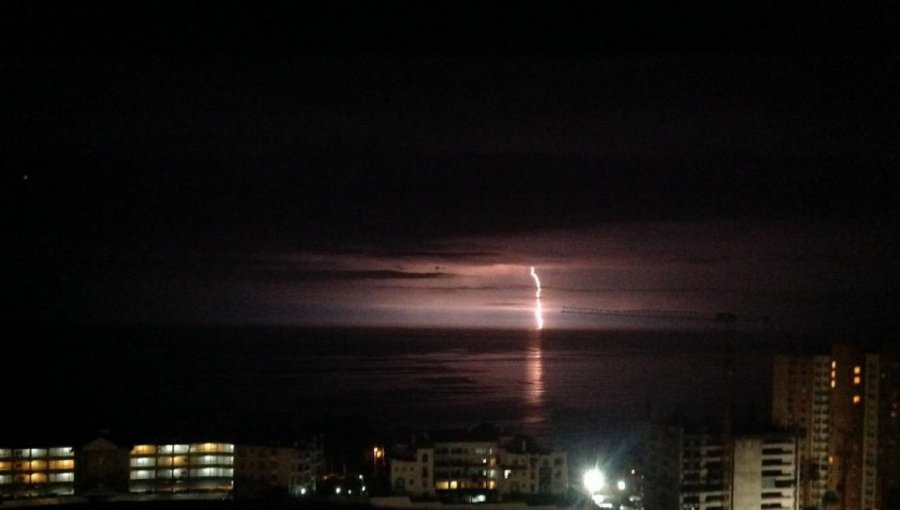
(857, 370)
(856, 379)
(856, 399)
(834, 364)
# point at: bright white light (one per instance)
(620, 485)
(337, 490)
(538, 311)
(303, 491)
(594, 480)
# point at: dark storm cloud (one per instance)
(229, 169)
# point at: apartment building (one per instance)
(37, 471)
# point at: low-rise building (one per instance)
(476, 465)
(182, 467)
(412, 471)
(289, 470)
(37, 471)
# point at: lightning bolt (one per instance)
(538, 310)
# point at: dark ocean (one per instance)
(578, 390)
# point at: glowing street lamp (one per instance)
(594, 480)
(377, 453)
(620, 485)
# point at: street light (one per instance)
(620, 485)
(377, 453)
(594, 480)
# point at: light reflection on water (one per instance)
(559, 386)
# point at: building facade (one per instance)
(833, 404)
(102, 468)
(700, 470)
(181, 467)
(661, 460)
(277, 470)
(37, 472)
(703, 485)
(412, 471)
(534, 473)
(889, 427)
(801, 393)
(766, 472)
(467, 467)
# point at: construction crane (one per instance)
(728, 319)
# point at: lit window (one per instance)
(142, 474)
(857, 370)
(62, 464)
(62, 477)
(856, 379)
(144, 449)
(834, 364)
(62, 451)
(832, 383)
(856, 399)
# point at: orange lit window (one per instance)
(834, 364)
(832, 383)
(856, 399)
(62, 464)
(144, 449)
(856, 379)
(857, 370)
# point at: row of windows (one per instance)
(37, 478)
(149, 474)
(182, 460)
(37, 465)
(169, 449)
(22, 453)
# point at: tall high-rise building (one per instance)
(853, 440)
(800, 403)
(687, 470)
(889, 428)
(832, 404)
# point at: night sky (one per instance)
(405, 164)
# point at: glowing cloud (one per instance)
(538, 311)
